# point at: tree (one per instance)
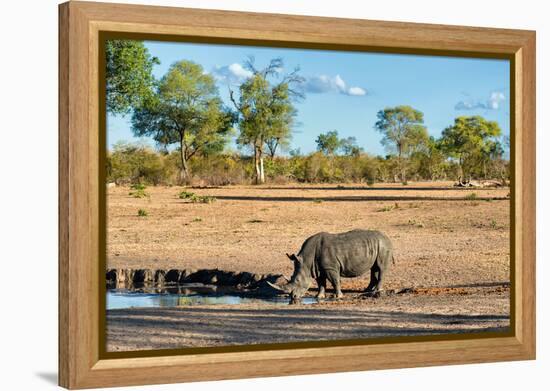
(349, 147)
(134, 163)
(403, 131)
(429, 161)
(129, 79)
(187, 111)
(473, 141)
(328, 143)
(265, 110)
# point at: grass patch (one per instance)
(185, 195)
(142, 213)
(471, 196)
(197, 220)
(255, 221)
(493, 224)
(196, 199)
(138, 186)
(138, 191)
(415, 223)
(139, 194)
(317, 200)
(386, 208)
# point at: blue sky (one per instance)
(345, 90)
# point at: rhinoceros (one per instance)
(331, 256)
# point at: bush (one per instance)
(140, 165)
(194, 198)
(471, 196)
(142, 213)
(136, 164)
(138, 191)
(138, 186)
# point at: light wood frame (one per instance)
(81, 364)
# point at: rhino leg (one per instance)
(322, 283)
(380, 280)
(382, 265)
(334, 278)
(373, 279)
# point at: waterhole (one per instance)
(187, 295)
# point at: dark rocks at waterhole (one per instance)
(243, 281)
(172, 276)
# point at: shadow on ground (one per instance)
(355, 198)
(166, 328)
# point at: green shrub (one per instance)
(204, 199)
(139, 164)
(138, 186)
(415, 223)
(471, 196)
(140, 193)
(194, 198)
(142, 213)
(185, 195)
(136, 163)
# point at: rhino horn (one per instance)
(285, 288)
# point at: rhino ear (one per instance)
(292, 257)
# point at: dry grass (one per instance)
(452, 259)
(441, 242)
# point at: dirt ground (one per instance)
(445, 239)
(460, 311)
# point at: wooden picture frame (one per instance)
(82, 363)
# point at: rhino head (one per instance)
(299, 283)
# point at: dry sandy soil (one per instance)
(445, 239)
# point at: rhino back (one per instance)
(353, 252)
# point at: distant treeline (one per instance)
(134, 163)
(193, 126)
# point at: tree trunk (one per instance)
(184, 172)
(401, 165)
(262, 175)
(256, 166)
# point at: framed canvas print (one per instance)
(247, 195)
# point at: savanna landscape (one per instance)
(211, 190)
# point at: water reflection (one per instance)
(187, 295)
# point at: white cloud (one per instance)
(239, 71)
(339, 83)
(469, 105)
(495, 99)
(356, 91)
(231, 74)
(492, 103)
(323, 83)
(236, 74)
